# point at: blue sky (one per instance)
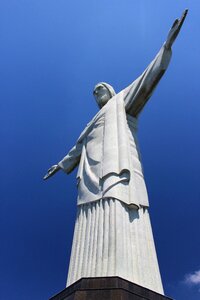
(52, 53)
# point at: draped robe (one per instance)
(110, 174)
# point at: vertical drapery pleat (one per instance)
(110, 239)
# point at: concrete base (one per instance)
(107, 288)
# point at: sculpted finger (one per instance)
(175, 23)
(52, 168)
(49, 174)
(183, 17)
(46, 176)
(185, 13)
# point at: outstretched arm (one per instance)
(142, 88)
(71, 160)
(68, 163)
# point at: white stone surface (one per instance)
(111, 239)
(113, 234)
(107, 150)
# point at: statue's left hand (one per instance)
(174, 31)
(51, 171)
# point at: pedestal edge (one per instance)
(108, 283)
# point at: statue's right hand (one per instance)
(174, 31)
(51, 171)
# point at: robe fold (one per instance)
(113, 234)
(107, 150)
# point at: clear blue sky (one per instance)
(52, 53)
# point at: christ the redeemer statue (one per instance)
(113, 235)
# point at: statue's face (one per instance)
(102, 95)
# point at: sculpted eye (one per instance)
(95, 92)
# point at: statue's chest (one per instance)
(94, 139)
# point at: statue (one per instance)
(113, 235)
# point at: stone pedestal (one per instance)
(107, 288)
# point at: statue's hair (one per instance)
(108, 86)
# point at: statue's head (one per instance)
(103, 92)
